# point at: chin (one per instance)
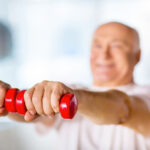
(104, 78)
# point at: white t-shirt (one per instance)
(82, 134)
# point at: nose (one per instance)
(105, 52)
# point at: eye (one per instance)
(116, 46)
(97, 46)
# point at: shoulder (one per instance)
(142, 88)
(141, 91)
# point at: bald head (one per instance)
(115, 52)
(125, 30)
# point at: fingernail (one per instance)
(32, 112)
(51, 116)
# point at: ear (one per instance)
(138, 56)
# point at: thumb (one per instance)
(29, 117)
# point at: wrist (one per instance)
(77, 94)
(125, 104)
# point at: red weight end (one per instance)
(20, 104)
(68, 106)
(10, 99)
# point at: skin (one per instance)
(115, 52)
(3, 89)
(113, 43)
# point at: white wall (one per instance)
(52, 39)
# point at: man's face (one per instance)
(113, 55)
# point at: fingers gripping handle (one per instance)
(14, 103)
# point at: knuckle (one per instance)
(47, 89)
(36, 85)
(58, 83)
(44, 82)
(50, 83)
(39, 86)
(58, 86)
(27, 95)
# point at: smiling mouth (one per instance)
(104, 67)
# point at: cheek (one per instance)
(122, 60)
(93, 57)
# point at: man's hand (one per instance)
(43, 99)
(3, 89)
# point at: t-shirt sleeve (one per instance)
(60, 122)
(143, 93)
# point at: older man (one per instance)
(113, 111)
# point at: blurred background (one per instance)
(51, 39)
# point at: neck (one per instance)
(113, 84)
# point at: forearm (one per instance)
(115, 107)
(139, 119)
(103, 107)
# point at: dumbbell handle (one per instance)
(14, 102)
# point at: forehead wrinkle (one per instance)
(131, 31)
(112, 40)
(121, 41)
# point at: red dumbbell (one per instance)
(14, 102)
